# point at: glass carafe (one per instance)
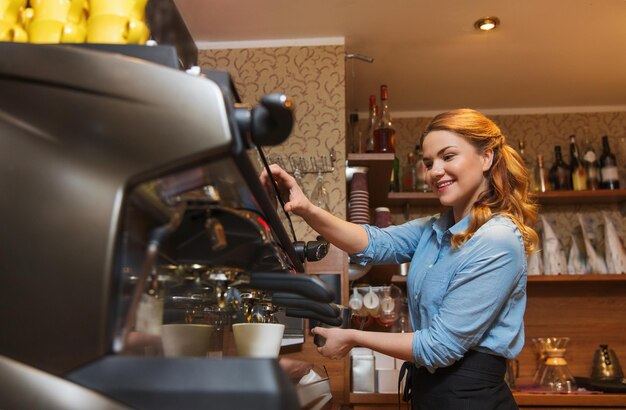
(555, 375)
(542, 345)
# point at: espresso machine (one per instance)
(131, 199)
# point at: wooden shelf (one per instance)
(603, 196)
(554, 278)
(378, 175)
(578, 278)
(544, 198)
(596, 400)
(522, 399)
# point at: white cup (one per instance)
(258, 339)
(187, 339)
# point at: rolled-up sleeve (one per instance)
(394, 244)
(476, 299)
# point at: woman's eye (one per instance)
(448, 157)
(428, 165)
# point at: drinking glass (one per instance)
(319, 195)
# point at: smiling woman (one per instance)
(467, 286)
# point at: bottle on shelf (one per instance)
(394, 181)
(577, 168)
(409, 174)
(371, 125)
(521, 149)
(420, 178)
(384, 134)
(356, 140)
(608, 166)
(540, 181)
(592, 165)
(559, 173)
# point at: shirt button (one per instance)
(430, 266)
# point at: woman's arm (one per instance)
(345, 235)
(339, 342)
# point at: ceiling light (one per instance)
(487, 23)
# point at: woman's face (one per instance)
(455, 170)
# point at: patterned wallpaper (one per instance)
(314, 77)
(541, 132)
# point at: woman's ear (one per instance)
(487, 157)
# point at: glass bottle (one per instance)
(540, 182)
(356, 143)
(394, 181)
(521, 149)
(420, 178)
(371, 125)
(384, 134)
(559, 173)
(577, 169)
(608, 166)
(409, 174)
(592, 165)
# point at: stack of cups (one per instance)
(11, 27)
(117, 22)
(359, 206)
(56, 21)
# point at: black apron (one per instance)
(476, 382)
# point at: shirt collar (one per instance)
(445, 223)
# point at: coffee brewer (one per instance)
(131, 199)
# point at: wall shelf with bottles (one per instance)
(380, 166)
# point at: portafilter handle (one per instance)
(311, 251)
(289, 300)
(308, 286)
(307, 314)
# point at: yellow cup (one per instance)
(10, 10)
(114, 29)
(54, 31)
(61, 10)
(12, 32)
(133, 9)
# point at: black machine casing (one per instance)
(80, 130)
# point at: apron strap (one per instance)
(408, 369)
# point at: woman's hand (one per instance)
(290, 192)
(295, 369)
(339, 341)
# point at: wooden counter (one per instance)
(524, 400)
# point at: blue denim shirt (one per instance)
(472, 297)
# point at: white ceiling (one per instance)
(547, 55)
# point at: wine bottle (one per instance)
(577, 169)
(384, 134)
(394, 182)
(521, 149)
(592, 165)
(409, 174)
(608, 166)
(371, 126)
(559, 173)
(355, 134)
(420, 179)
(540, 182)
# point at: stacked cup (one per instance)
(56, 21)
(117, 22)
(359, 207)
(11, 28)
